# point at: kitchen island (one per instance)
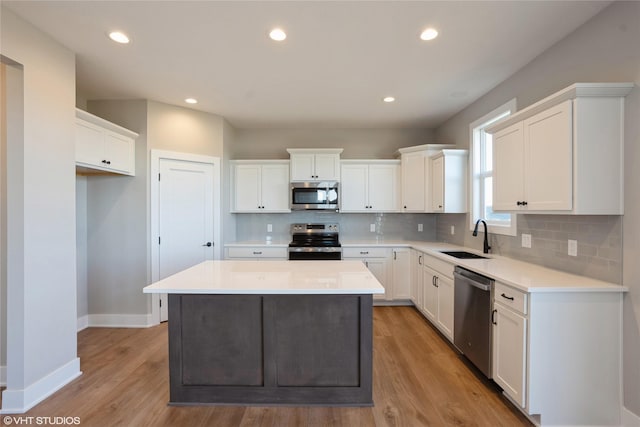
(271, 332)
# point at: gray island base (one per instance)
(270, 349)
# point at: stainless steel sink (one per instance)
(463, 255)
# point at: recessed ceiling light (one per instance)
(119, 37)
(277, 34)
(429, 34)
(191, 101)
(388, 99)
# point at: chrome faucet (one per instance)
(486, 247)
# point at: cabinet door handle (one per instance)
(394, 255)
(106, 162)
(366, 263)
(434, 281)
(419, 259)
(208, 244)
(506, 297)
(493, 317)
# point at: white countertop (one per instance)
(521, 275)
(271, 277)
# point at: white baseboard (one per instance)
(629, 419)
(119, 320)
(20, 401)
(83, 322)
(3, 376)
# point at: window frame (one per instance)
(508, 108)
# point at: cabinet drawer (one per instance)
(440, 266)
(365, 252)
(257, 252)
(510, 297)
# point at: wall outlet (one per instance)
(453, 230)
(269, 228)
(526, 240)
(573, 248)
(372, 228)
(420, 227)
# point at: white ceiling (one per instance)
(339, 59)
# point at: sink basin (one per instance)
(463, 254)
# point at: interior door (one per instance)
(185, 217)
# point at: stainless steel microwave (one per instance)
(321, 195)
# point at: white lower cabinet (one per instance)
(437, 294)
(401, 271)
(377, 261)
(417, 258)
(557, 354)
(256, 253)
(509, 352)
(391, 266)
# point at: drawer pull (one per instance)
(506, 297)
(364, 252)
(260, 253)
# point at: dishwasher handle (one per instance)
(483, 286)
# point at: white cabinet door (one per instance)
(509, 352)
(327, 167)
(302, 167)
(508, 174)
(260, 187)
(548, 159)
(354, 188)
(104, 146)
(445, 305)
(378, 266)
(437, 184)
(315, 167)
(275, 188)
(383, 188)
(401, 262)
(417, 259)
(247, 188)
(430, 294)
(89, 143)
(118, 152)
(413, 182)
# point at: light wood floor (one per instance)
(419, 380)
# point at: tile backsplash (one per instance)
(599, 240)
(353, 226)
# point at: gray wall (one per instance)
(41, 240)
(604, 49)
(81, 246)
(357, 143)
(117, 235)
(118, 243)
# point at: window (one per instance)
(482, 174)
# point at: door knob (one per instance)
(208, 244)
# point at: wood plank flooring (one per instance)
(419, 380)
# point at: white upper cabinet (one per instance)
(370, 186)
(563, 154)
(416, 176)
(103, 146)
(449, 181)
(260, 186)
(315, 164)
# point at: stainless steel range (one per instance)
(315, 242)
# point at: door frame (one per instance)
(156, 156)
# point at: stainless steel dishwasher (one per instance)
(472, 317)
